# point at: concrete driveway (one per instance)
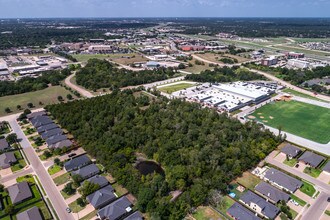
(5, 172)
(324, 177)
(281, 157)
(301, 167)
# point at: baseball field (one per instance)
(305, 120)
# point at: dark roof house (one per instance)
(19, 192)
(87, 171)
(61, 144)
(282, 180)
(77, 162)
(273, 194)
(41, 121)
(135, 216)
(4, 145)
(51, 133)
(99, 180)
(55, 139)
(30, 214)
(101, 197)
(239, 212)
(47, 127)
(326, 168)
(35, 114)
(7, 159)
(290, 150)
(311, 159)
(260, 205)
(116, 210)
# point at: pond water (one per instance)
(149, 167)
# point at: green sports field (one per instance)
(302, 119)
(176, 87)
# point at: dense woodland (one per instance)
(99, 74)
(298, 77)
(198, 148)
(224, 74)
(29, 84)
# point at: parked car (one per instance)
(328, 199)
(68, 210)
(72, 155)
(297, 165)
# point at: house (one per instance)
(41, 121)
(19, 192)
(36, 114)
(239, 212)
(311, 159)
(55, 139)
(47, 127)
(99, 180)
(291, 151)
(271, 193)
(7, 159)
(4, 145)
(326, 168)
(282, 180)
(50, 133)
(61, 144)
(135, 216)
(87, 171)
(116, 210)
(259, 205)
(77, 162)
(102, 197)
(30, 214)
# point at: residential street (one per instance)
(317, 209)
(45, 179)
(16, 174)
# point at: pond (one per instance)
(149, 167)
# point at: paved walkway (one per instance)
(72, 198)
(88, 209)
(312, 102)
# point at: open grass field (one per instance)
(213, 57)
(176, 87)
(119, 58)
(46, 96)
(196, 69)
(206, 213)
(302, 119)
(248, 180)
(62, 179)
(295, 93)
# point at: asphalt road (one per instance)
(315, 211)
(16, 174)
(46, 181)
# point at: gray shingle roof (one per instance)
(61, 144)
(41, 121)
(271, 192)
(135, 216)
(267, 208)
(291, 150)
(115, 210)
(101, 197)
(283, 179)
(52, 132)
(36, 114)
(100, 180)
(30, 214)
(19, 192)
(6, 159)
(327, 167)
(47, 127)
(3, 145)
(239, 212)
(87, 171)
(55, 139)
(77, 162)
(310, 158)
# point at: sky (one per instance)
(163, 8)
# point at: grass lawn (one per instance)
(54, 169)
(308, 189)
(89, 216)
(298, 200)
(75, 207)
(119, 190)
(312, 171)
(46, 96)
(28, 178)
(197, 68)
(62, 179)
(176, 87)
(327, 212)
(291, 162)
(293, 92)
(302, 119)
(206, 213)
(248, 180)
(20, 164)
(227, 203)
(86, 57)
(66, 196)
(4, 130)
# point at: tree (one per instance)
(9, 210)
(57, 161)
(181, 66)
(19, 107)
(7, 110)
(68, 189)
(11, 138)
(77, 178)
(2, 187)
(60, 98)
(27, 111)
(88, 188)
(69, 97)
(30, 105)
(47, 154)
(81, 202)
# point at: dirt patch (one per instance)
(251, 117)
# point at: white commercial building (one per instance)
(301, 64)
